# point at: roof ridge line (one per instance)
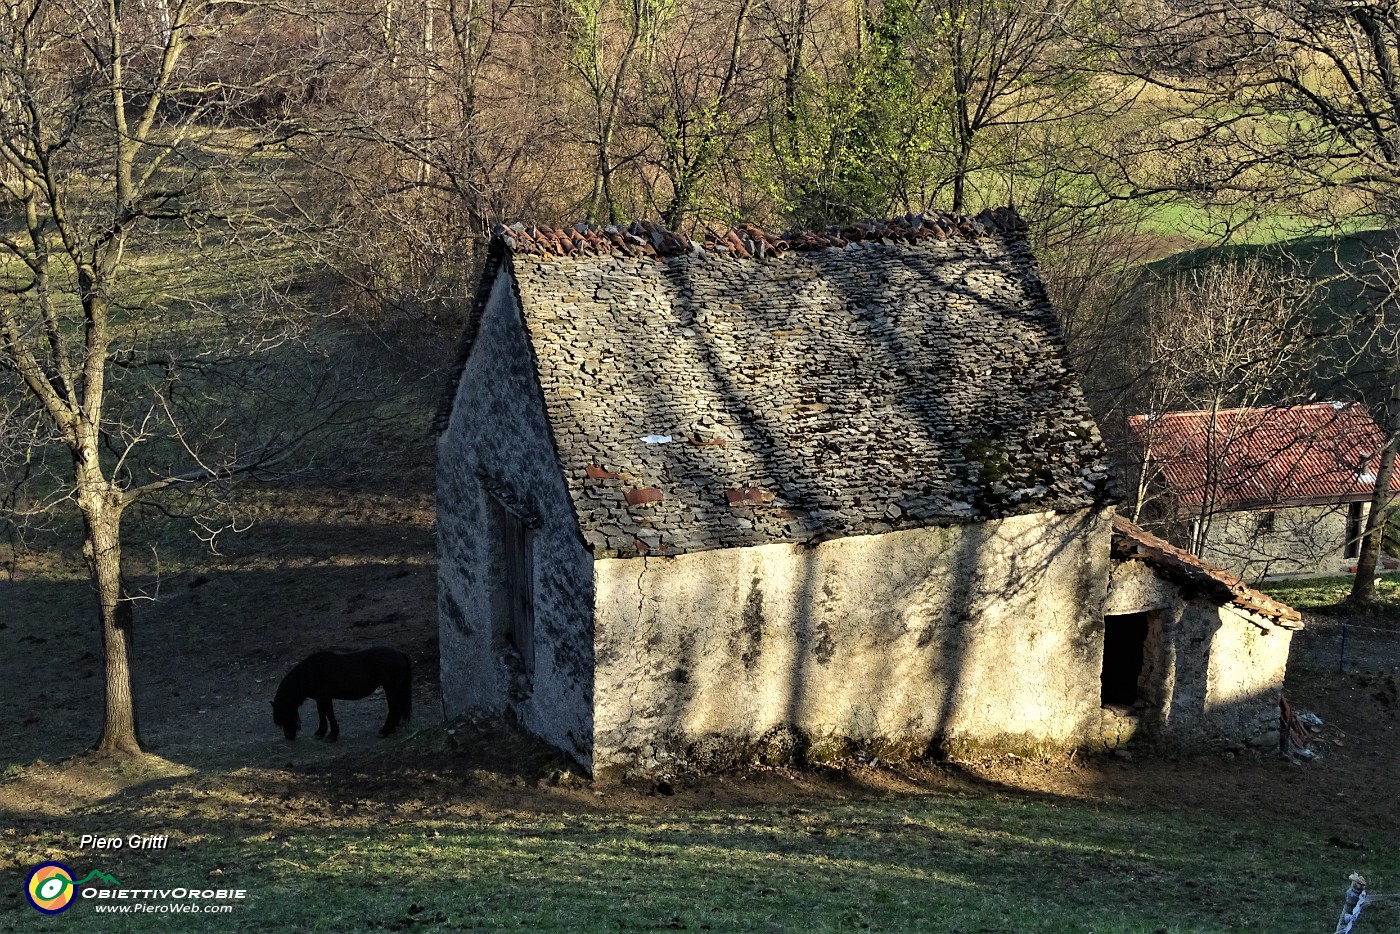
(1336, 404)
(747, 240)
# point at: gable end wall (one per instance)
(1216, 673)
(497, 436)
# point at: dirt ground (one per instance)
(358, 569)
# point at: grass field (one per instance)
(1325, 594)
(982, 859)
(458, 827)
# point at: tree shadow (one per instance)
(821, 443)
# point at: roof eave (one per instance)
(1130, 542)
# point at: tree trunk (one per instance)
(1210, 489)
(1363, 589)
(959, 182)
(102, 550)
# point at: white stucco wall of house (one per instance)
(1213, 673)
(1292, 540)
(987, 634)
(1244, 679)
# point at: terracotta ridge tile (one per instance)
(749, 241)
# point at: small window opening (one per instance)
(1124, 644)
(1264, 521)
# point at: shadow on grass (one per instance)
(209, 652)
(368, 850)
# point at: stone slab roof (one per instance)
(748, 388)
(1318, 454)
(1133, 543)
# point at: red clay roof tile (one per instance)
(1322, 453)
(1132, 542)
(748, 240)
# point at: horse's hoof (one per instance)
(330, 739)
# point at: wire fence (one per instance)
(1367, 654)
(1347, 646)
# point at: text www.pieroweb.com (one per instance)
(141, 908)
(171, 901)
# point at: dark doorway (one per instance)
(1124, 640)
(516, 611)
(1354, 530)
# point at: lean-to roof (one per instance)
(1133, 543)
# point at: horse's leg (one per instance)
(395, 698)
(335, 727)
(326, 715)
(392, 723)
(399, 694)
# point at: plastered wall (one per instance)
(1213, 674)
(987, 634)
(1303, 540)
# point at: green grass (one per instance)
(1247, 226)
(992, 863)
(1325, 595)
(1322, 254)
(1339, 262)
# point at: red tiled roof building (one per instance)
(1262, 491)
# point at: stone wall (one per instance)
(498, 444)
(1244, 678)
(1303, 540)
(985, 635)
(1213, 674)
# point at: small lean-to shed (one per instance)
(1193, 658)
(700, 502)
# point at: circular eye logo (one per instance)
(50, 888)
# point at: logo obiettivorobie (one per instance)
(50, 887)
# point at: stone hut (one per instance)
(1193, 658)
(1278, 490)
(774, 497)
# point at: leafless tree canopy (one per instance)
(149, 351)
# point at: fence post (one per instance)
(1355, 901)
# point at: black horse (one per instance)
(344, 676)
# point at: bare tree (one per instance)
(1371, 354)
(607, 44)
(118, 152)
(1010, 68)
(701, 88)
(1231, 335)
